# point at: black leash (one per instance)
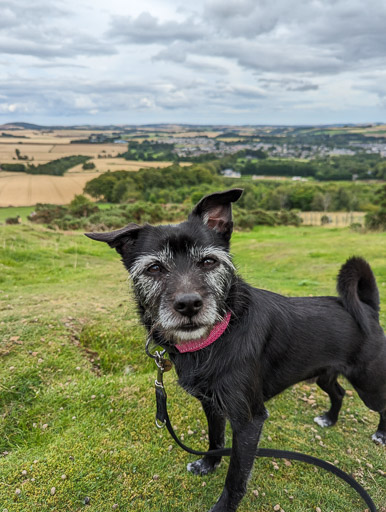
(162, 420)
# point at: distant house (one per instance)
(230, 173)
(96, 138)
(298, 178)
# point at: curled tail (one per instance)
(356, 285)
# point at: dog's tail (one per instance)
(356, 285)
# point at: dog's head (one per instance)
(181, 273)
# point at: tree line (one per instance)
(174, 184)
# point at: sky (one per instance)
(282, 62)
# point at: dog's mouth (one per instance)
(188, 332)
(189, 327)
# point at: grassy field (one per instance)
(76, 389)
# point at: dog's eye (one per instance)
(154, 269)
(208, 262)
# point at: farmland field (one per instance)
(77, 392)
(21, 189)
(42, 152)
(120, 164)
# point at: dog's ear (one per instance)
(119, 238)
(215, 210)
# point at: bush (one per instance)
(80, 206)
(13, 167)
(47, 213)
(88, 165)
(356, 226)
(288, 218)
(377, 219)
(247, 220)
(57, 167)
(325, 219)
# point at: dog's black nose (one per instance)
(188, 304)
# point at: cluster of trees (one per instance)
(168, 185)
(149, 151)
(305, 135)
(362, 166)
(174, 184)
(55, 167)
(13, 167)
(177, 189)
(81, 213)
(377, 218)
(19, 156)
(88, 166)
(58, 167)
(310, 196)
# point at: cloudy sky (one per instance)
(204, 62)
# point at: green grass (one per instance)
(14, 211)
(76, 389)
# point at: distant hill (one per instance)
(180, 127)
(22, 126)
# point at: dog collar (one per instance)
(215, 333)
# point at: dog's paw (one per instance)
(323, 421)
(201, 467)
(379, 438)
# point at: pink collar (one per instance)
(215, 333)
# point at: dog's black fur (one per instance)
(184, 283)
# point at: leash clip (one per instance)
(163, 365)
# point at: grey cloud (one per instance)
(146, 29)
(315, 38)
(205, 67)
(56, 49)
(245, 91)
(177, 53)
(306, 87)
(259, 56)
(19, 13)
(44, 30)
(287, 84)
(265, 56)
(104, 96)
(81, 96)
(241, 18)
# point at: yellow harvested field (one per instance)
(46, 136)
(42, 153)
(120, 164)
(42, 146)
(21, 189)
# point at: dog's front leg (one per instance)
(245, 440)
(216, 430)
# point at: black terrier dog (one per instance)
(234, 346)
